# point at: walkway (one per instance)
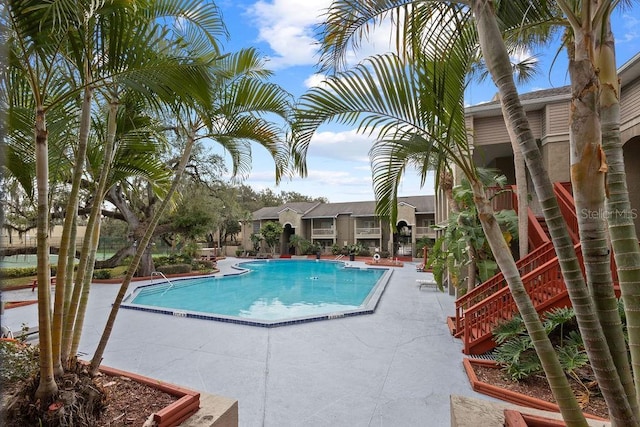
(396, 367)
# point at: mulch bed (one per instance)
(536, 386)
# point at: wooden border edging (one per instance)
(174, 414)
(508, 395)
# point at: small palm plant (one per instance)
(516, 355)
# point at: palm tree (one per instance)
(349, 20)
(49, 62)
(241, 97)
(415, 113)
(622, 232)
(616, 383)
(34, 56)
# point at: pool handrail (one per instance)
(160, 273)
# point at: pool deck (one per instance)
(396, 367)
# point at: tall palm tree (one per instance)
(349, 20)
(35, 55)
(622, 231)
(414, 113)
(616, 383)
(45, 60)
(241, 97)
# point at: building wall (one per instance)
(556, 158)
(556, 118)
(344, 230)
(631, 160)
(407, 214)
(290, 217)
(630, 105)
(489, 130)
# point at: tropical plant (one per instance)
(256, 239)
(234, 119)
(302, 245)
(515, 352)
(368, 91)
(271, 232)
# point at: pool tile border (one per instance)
(368, 306)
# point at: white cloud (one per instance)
(289, 28)
(315, 80)
(631, 29)
(345, 146)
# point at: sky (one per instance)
(337, 159)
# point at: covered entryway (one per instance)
(286, 237)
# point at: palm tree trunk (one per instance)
(570, 409)
(86, 286)
(521, 190)
(65, 243)
(86, 259)
(47, 387)
(153, 222)
(588, 169)
(497, 60)
(622, 231)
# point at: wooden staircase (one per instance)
(481, 310)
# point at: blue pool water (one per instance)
(270, 292)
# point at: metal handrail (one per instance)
(159, 273)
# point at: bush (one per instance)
(173, 259)
(102, 274)
(239, 252)
(11, 273)
(174, 268)
(384, 254)
(364, 252)
(203, 265)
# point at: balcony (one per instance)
(323, 233)
(424, 232)
(369, 232)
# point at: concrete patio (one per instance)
(396, 367)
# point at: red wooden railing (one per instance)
(525, 265)
(546, 289)
(482, 309)
(568, 209)
(537, 236)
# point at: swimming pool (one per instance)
(268, 293)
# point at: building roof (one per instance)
(422, 205)
(537, 99)
(273, 212)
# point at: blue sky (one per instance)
(338, 163)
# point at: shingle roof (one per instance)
(423, 204)
(273, 212)
(332, 210)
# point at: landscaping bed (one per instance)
(487, 378)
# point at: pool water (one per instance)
(269, 291)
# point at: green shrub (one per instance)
(174, 268)
(11, 273)
(364, 252)
(172, 259)
(239, 252)
(203, 265)
(515, 352)
(102, 274)
(335, 249)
